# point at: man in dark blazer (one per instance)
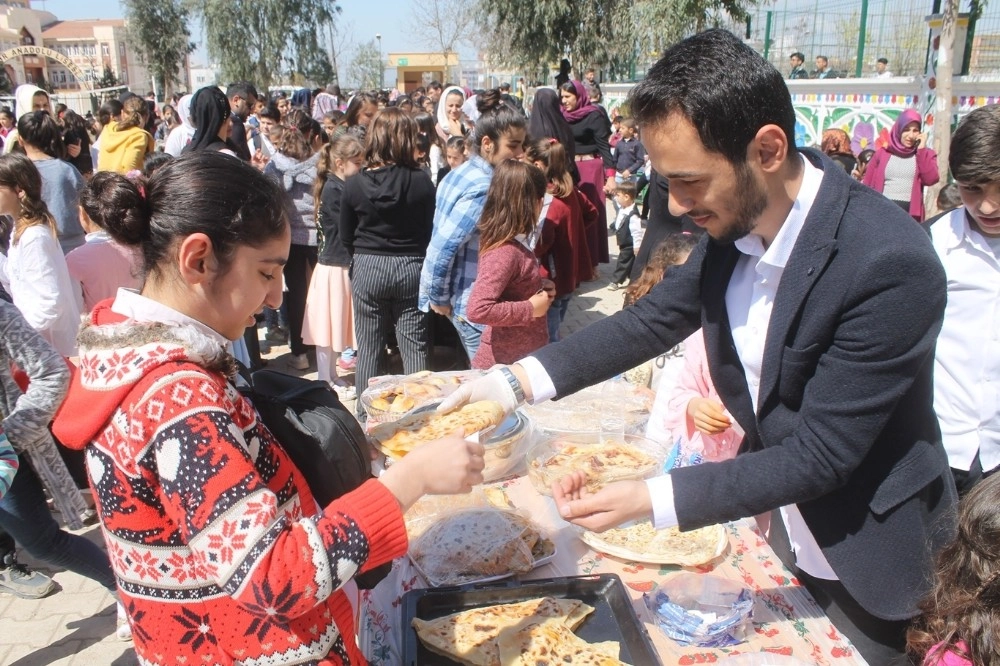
(820, 304)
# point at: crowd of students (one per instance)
(189, 225)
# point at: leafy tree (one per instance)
(260, 40)
(158, 30)
(108, 79)
(365, 70)
(533, 35)
(443, 24)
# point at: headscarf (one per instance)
(896, 145)
(547, 121)
(209, 109)
(583, 105)
(184, 110)
(323, 104)
(24, 98)
(836, 142)
(302, 98)
(442, 112)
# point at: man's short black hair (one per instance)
(884, 61)
(974, 157)
(694, 78)
(434, 85)
(505, 86)
(243, 89)
(798, 54)
(823, 58)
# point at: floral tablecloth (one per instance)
(786, 619)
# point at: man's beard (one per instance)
(752, 202)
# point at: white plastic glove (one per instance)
(491, 386)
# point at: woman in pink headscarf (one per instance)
(905, 167)
(591, 131)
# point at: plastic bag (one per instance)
(702, 611)
(474, 545)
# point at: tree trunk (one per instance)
(942, 102)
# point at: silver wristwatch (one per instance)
(515, 385)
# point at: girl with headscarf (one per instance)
(449, 114)
(903, 168)
(181, 135)
(591, 129)
(837, 146)
(210, 116)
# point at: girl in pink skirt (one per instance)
(329, 318)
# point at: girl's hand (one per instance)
(447, 466)
(922, 140)
(258, 160)
(708, 415)
(610, 185)
(540, 303)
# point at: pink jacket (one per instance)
(695, 382)
(927, 175)
(940, 655)
(101, 266)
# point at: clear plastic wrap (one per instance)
(603, 459)
(390, 397)
(476, 545)
(702, 610)
(583, 411)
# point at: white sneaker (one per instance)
(124, 630)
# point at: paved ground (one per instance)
(76, 625)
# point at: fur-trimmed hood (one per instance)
(115, 354)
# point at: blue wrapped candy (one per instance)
(702, 611)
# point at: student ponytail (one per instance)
(134, 110)
(20, 173)
(345, 147)
(510, 208)
(552, 154)
(495, 119)
(206, 192)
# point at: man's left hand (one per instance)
(612, 505)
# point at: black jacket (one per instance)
(591, 134)
(389, 210)
(333, 252)
(845, 426)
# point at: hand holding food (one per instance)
(612, 505)
(492, 386)
(448, 465)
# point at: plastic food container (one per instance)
(583, 411)
(390, 398)
(703, 610)
(556, 456)
(505, 446)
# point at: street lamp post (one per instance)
(381, 66)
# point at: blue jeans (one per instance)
(555, 315)
(469, 333)
(25, 517)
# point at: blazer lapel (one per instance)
(724, 364)
(813, 249)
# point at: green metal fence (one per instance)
(854, 34)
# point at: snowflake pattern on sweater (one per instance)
(221, 554)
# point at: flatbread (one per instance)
(470, 637)
(551, 643)
(602, 462)
(474, 544)
(409, 434)
(642, 542)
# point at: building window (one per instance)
(124, 77)
(105, 51)
(121, 49)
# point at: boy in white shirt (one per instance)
(967, 356)
(628, 228)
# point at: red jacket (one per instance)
(220, 551)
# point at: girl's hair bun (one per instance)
(116, 204)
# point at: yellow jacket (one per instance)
(124, 150)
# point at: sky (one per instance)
(364, 18)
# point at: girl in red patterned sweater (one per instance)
(220, 552)
(509, 295)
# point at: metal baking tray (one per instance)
(613, 618)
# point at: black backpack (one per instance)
(321, 436)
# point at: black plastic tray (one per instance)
(613, 618)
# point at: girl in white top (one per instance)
(35, 272)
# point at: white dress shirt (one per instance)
(749, 300)
(967, 357)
